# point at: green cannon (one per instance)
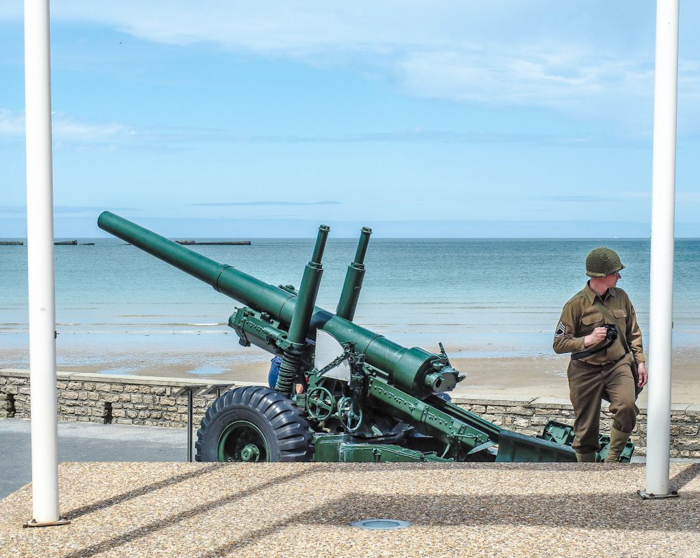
(343, 393)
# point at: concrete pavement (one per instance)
(81, 441)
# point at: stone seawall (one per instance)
(110, 399)
(155, 402)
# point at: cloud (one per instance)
(688, 197)
(581, 199)
(267, 203)
(11, 123)
(591, 59)
(13, 210)
(567, 56)
(575, 80)
(71, 132)
(287, 27)
(68, 130)
(61, 209)
(598, 196)
(402, 136)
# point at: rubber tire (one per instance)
(282, 424)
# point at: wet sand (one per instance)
(527, 377)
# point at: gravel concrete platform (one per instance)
(305, 509)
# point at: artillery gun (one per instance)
(343, 393)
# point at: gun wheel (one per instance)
(253, 424)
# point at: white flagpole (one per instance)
(42, 322)
(662, 251)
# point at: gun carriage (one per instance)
(343, 393)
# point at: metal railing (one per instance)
(193, 391)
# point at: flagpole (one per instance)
(662, 251)
(40, 263)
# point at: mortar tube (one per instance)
(353, 279)
(301, 319)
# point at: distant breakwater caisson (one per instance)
(158, 401)
(221, 243)
(182, 242)
(57, 243)
(217, 243)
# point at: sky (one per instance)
(425, 118)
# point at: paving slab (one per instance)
(307, 509)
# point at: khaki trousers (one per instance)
(587, 383)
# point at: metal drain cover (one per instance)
(381, 524)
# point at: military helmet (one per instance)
(603, 261)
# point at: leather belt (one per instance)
(602, 364)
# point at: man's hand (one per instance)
(643, 376)
(596, 337)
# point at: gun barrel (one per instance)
(408, 368)
(223, 278)
(353, 279)
(301, 320)
(308, 290)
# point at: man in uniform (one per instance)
(606, 361)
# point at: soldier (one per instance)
(599, 327)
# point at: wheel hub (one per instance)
(250, 453)
(243, 441)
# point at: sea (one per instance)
(482, 298)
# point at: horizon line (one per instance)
(110, 237)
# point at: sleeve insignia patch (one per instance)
(561, 330)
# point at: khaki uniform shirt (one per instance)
(580, 317)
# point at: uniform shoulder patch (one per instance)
(561, 329)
